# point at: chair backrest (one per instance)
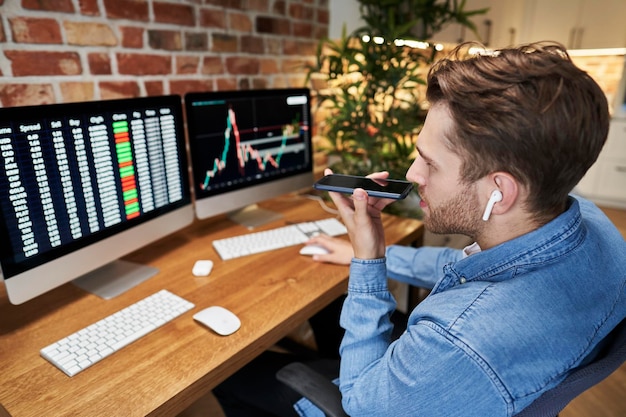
(611, 357)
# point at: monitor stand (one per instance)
(114, 278)
(253, 216)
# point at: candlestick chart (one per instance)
(249, 141)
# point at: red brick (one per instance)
(252, 44)
(300, 11)
(242, 65)
(143, 64)
(182, 87)
(13, 95)
(187, 64)
(63, 6)
(212, 65)
(232, 4)
(279, 7)
(196, 41)
(34, 30)
(213, 18)
(240, 21)
(224, 43)
(280, 82)
(323, 16)
(99, 63)
(302, 30)
(25, 63)
(243, 84)
(259, 83)
(154, 88)
(77, 91)
(89, 34)
(274, 46)
(179, 14)
(2, 35)
(320, 32)
(296, 80)
(258, 5)
(293, 65)
(118, 89)
(89, 7)
(168, 40)
(127, 9)
(273, 25)
(269, 66)
(295, 47)
(226, 84)
(132, 37)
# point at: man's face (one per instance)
(449, 204)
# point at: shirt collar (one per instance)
(542, 244)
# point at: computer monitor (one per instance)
(248, 146)
(83, 184)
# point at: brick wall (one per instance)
(77, 50)
(606, 70)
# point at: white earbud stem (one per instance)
(496, 196)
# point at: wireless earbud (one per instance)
(496, 196)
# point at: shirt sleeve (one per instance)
(425, 372)
(420, 267)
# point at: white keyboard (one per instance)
(95, 342)
(280, 237)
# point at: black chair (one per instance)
(325, 394)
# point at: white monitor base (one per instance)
(114, 278)
(253, 216)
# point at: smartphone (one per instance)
(396, 189)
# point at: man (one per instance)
(507, 137)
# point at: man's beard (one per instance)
(458, 215)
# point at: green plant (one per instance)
(368, 83)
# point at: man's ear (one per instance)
(508, 195)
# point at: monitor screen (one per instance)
(248, 146)
(83, 184)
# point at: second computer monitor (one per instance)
(248, 146)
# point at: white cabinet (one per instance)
(574, 23)
(578, 24)
(601, 24)
(605, 182)
(498, 27)
(343, 13)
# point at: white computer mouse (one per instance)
(311, 250)
(202, 267)
(220, 320)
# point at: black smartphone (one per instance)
(396, 189)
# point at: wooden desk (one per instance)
(167, 370)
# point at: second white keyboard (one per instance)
(93, 343)
(280, 237)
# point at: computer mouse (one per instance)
(219, 319)
(311, 250)
(202, 268)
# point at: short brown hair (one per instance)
(528, 111)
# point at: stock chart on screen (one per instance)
(238, 139)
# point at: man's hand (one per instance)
(340, 250)
(361, 215)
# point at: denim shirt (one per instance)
(498, 329)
